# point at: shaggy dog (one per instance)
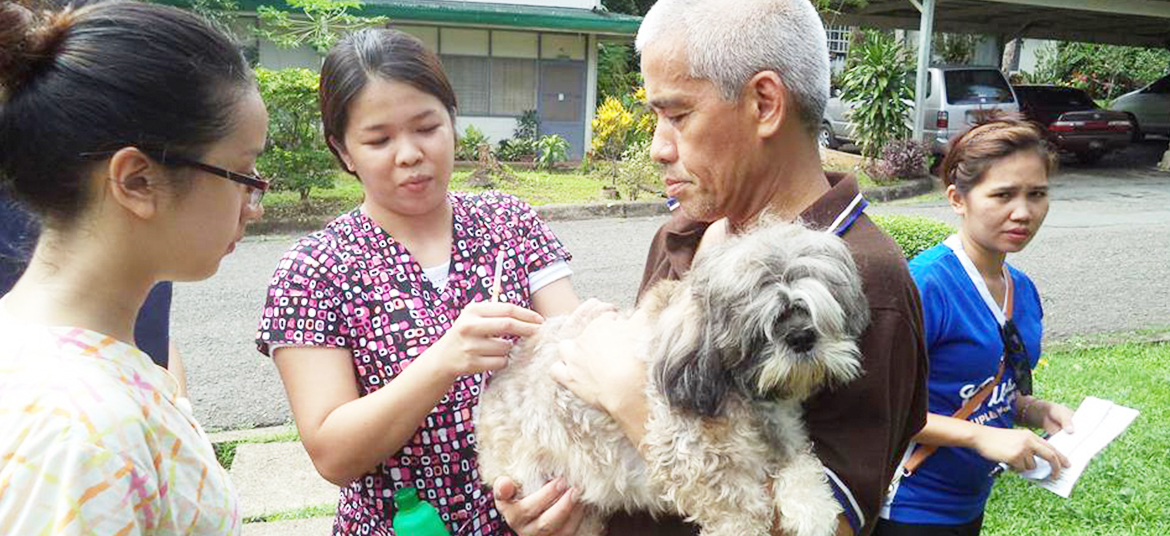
(761, 322)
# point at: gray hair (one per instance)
(729, 41)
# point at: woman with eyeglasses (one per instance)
(982, 321)
(131, 130)
(385, 324)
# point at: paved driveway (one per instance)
(1102, 264)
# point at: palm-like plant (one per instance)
(878, 88)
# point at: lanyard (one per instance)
(1001, 314)
(846, 218)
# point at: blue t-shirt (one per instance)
(965, 348)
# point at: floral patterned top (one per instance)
(94, 440)
(351, 285)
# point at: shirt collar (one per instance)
(842, 189)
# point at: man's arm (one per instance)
(860, 431)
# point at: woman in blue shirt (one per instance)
(982, 321)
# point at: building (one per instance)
(502, 58)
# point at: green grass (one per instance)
(225, 451)
(535, 187)
(300, 513)
(543, 187)
(1126, 490)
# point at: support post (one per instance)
(925, 30)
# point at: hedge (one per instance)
(914, 234)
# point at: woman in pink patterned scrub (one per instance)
(381, 324)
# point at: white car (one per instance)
(1150, 106)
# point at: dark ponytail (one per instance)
(93, 80)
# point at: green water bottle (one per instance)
(416, 517)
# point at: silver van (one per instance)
(1149, 106)
(955, 93)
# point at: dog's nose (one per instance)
(801, 340)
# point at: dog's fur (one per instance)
(761, 322)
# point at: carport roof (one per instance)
(1119, 22)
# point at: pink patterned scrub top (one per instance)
(351, 285)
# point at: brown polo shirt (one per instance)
(859, 431)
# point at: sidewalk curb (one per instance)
(248, 435)
(588, 211)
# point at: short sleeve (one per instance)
(542, 245)
(304, 306)
(74, 488)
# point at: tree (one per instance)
(320, 23)
(296, 156)
(221, 13)
(617, 71)
(1104, 71)
(834, 6)
(955, 49)
(629, 7)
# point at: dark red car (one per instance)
(1075, 123)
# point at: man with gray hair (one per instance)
(739, 87)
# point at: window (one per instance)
(1161, 86)
(513, 86)
(498, 72)
(429, 35)
(977, 86)
(469, 78)
(838, 40)
(562, 47)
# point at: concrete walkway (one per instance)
(280, 490)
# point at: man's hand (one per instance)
(551, 511)
(601, 367)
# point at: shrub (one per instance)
(516, 150)
(469, 142)
(527, 126)
(914, 234)
(551, 149)
(637, 172)
(522, 145)
(620, 123)
(296, 156)
(901, 159)
(879, 88)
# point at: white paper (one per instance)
(1096, 424)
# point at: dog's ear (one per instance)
(689, 373)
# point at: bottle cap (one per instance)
(406, 498)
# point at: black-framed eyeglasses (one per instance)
(257, 185)
(1016, 355)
